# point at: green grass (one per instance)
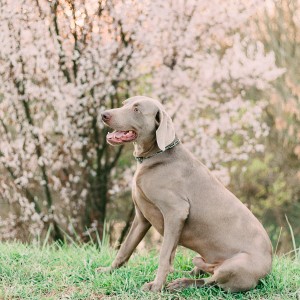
(68, 272)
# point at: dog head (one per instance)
(141, 120)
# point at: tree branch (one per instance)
(62, 57)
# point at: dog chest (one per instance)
(149, 210)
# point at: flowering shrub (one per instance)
(62, 62)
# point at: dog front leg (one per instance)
(173, 225)
(138, 229)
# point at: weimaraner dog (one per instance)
(186, 204)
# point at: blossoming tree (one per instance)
(62, 62)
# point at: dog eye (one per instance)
(135, 109)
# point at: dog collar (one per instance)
(140, 159)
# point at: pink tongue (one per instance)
(120, 136)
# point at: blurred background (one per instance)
(227, 71)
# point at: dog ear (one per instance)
(165, 133)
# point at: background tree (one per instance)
(271, 182)
(62, 62)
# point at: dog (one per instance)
(175, 193)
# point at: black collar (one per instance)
(140, 159)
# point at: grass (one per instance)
(68, 272)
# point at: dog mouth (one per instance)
(120, 137)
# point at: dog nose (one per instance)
(106, 116)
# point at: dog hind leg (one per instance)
(233, 275)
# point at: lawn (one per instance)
(68, 272)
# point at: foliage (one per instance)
(225, 70)
(68, 272)
(270, 181)
(211, 78)
(62, 62)
(283, 112)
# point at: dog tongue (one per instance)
(121, 136)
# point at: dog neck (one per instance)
(140, 159)
(145, 149)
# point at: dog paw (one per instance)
(178, 284)
(104, 270)
(152, 287)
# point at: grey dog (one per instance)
(186, 204)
